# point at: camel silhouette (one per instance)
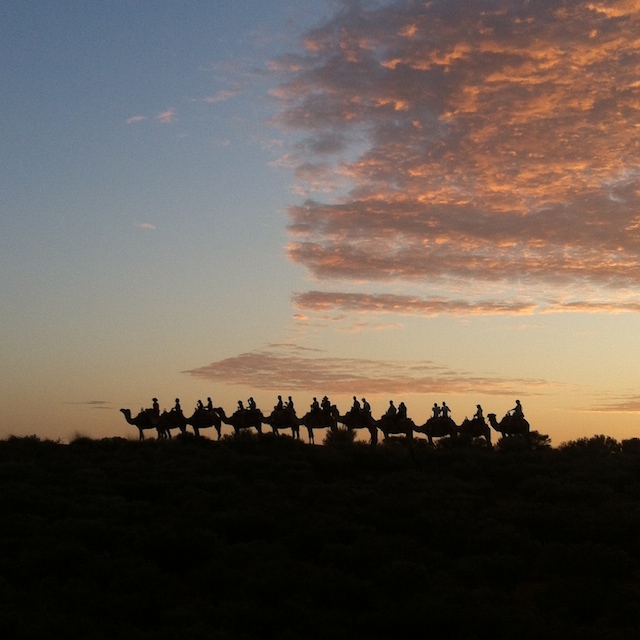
(510, 425)
(475, 428)
(146, 420)
(204, 418)
(317, 419)
(439, 427)
(394, 425)
(242, 419)
(358, 419)
(284, 418)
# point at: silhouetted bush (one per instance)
(631, 446)
(595, 446)
(263, 536)
(533, 441)
(339, 437)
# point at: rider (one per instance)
(445, 410)
(517, 412)
(435, 410)
(325, 405)
(177, 408)
(478, 414)
(391, 411)
(402, 411)
(280, 404)
(314, 405)
(366, 407)
(355, 407)
(199, 406)
(209, 404)
(155, 408)
(240, 406)
(252, 404)
(290, 404)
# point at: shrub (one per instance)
(599, 445)
(339, 437)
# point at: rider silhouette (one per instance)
(435, 410)
(391, 411)
(155, 408)
(314, 405)
(517, 410)
(366, 407)
(325, 405)
(199, 406)
(445, 410)
(209, 404)
(177, 408)
(478, 414)
(252, 404)
(280, 404)
(402, 411)
(355, 407)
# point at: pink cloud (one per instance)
(166, 117)
(281, 367)
(135, 119)
(221, 96)
(320, 301)
(476, 145)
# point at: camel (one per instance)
(393, 425)
(203, 419)
(172, 420)
(510, 425)
(476, 428)
(360, 419)
(318, 419)
(438, 428)
(145, 420)
(242, 419)
(284, 419)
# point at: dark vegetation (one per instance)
(266, 537)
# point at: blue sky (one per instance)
(232, 199)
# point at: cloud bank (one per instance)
(286, 368)
(475, 144)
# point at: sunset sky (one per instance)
(408, 200)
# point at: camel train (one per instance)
(283, 418)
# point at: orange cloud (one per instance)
(472, 147)
(320, 301)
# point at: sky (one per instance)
(418, 201)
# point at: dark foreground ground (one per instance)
(272, 538)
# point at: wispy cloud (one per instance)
(94, 404)
(321, 301)
(135, 119)
(477, 144)
(324, 302)
(286, 367)
(145, 226)
(166, 117)
(221, 96)
(619, 404)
